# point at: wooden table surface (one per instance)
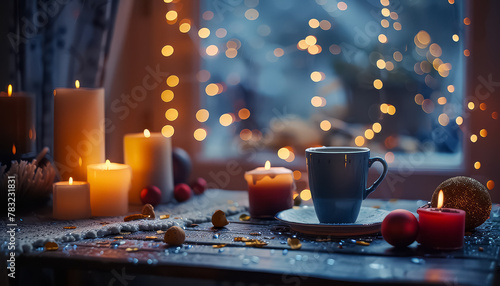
(321, 260)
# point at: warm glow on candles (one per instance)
(77, 83)
(9, 90)
(14, 149)
(108, 163)
(147, 134)
(71, 180)
(440, 199)
(267, 166)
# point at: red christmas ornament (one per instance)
(182, 192)
(151, 195)
(199, 186)
(400, 228)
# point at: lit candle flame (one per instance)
(108, 163)
(9, 90)
(440, 199)
(77, 83)
(267, 166)
(71, 180)
(14, 149)
(80, 162)
(147, 134)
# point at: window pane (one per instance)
(288, 75)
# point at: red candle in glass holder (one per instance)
(269, 190)
(441, 228)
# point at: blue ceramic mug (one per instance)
(337, 179)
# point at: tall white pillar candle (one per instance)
(17, 130)
(78, 130)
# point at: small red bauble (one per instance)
(151, 195)
(199, 186)
(182, 192)
(400, 228)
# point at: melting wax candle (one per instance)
(441, 228)
(269, 190)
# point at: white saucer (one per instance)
(304, 220)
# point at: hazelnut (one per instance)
(219, 219)
(148, 209)
(175, 236)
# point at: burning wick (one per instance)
(108, 163)
(77, 83)
(147, 134)
(9, 90)
(267, 166)
(440, 199)
(71, 180)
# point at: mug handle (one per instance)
(379, 180)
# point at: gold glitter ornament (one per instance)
(466, 194)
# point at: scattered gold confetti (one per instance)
(125, 233)
(256, 243)
(69, 227)
(164, 216)
(160, 231)
(151, 237)
(244, 217)
(51, 246)
(323, 239)
(104, 223)
(376, 207)
(230, 202)
(243, 239)
(177, 217)
(135, 217)
(364, 243)
(294, 243)
(102, 242)
(481, 249)
(255, 233)
(393, 200)
(233, 208)
(192, 225)
(131, 249)
(118, 237)
(219, 245)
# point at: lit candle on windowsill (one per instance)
(441, 228)
(78, 130)
(71, 200)
(150, 157)
(17, 128)
(109, 186)
(270, 190)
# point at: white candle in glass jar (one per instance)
(109, 186)
(150, 157)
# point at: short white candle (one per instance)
(109, 186)
(71, 200)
